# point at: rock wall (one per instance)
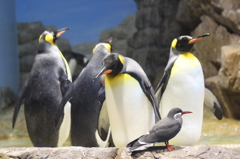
(158, 22)
(194, 152)
(146, 37)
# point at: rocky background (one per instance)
(146, 37)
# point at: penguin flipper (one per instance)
(162, 86)
(148, 91)
(211, 102)
(67, 88)
(19, 102)
(101, 94)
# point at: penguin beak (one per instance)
(103, 72)
(198, 38)
(61, 31)
(110, 40)
(186, 112)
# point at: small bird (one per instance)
(130, 100)
(183, 84)
(162, 131)
(43, 91)
(90, 125)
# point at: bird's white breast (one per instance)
(185, 89)
(130, 112)
(65, 125)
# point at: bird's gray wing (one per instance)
(144, 82)
(19, 102)
(161, 132)
(211, 102)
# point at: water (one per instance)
(225, 132)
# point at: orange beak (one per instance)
(198, 38)
(61, 31)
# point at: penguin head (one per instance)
(112, 64)
(185, 43)
(51, 37)
(177, 113)
(107, 45)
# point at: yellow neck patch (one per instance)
(67, 67)
(185, 61)
(174, 43)
(121, 59)
(48, 38)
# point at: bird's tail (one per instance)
(133, 145)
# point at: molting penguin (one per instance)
(130, 99)
(183, 84)
(43, 92)
(90, 126)
(162, 131)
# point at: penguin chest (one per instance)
(130, 111)
(185, 89)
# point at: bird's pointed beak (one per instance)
(198, 38)
(61, 31)
(110, 40)
(186, 112)
(103, 72)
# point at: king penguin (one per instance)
(90, 125)
(183, 84)
(43, 92)
(130, 100)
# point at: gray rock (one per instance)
(50, 28)
(58, 153)
(28, 48)
(63, 44)
(26, 62)
(229, 77)
(29, 31)
(193, 152)
(7, 98)
(85, 49)
(120, 34)
(227, 99)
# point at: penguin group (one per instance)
(112, 102)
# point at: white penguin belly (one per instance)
(65, 125)
(130, 112)
(185, 89)
(100, 142)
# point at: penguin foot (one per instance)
(170, 147)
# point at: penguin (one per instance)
(43, 92)
(162, 131)
(182, 84)
(130, 100)
(90, 125)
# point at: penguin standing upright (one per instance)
(43, 92)
(183, 84)
(88, 111)
(130, 100)
(162, 131)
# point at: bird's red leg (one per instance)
(169, 147)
